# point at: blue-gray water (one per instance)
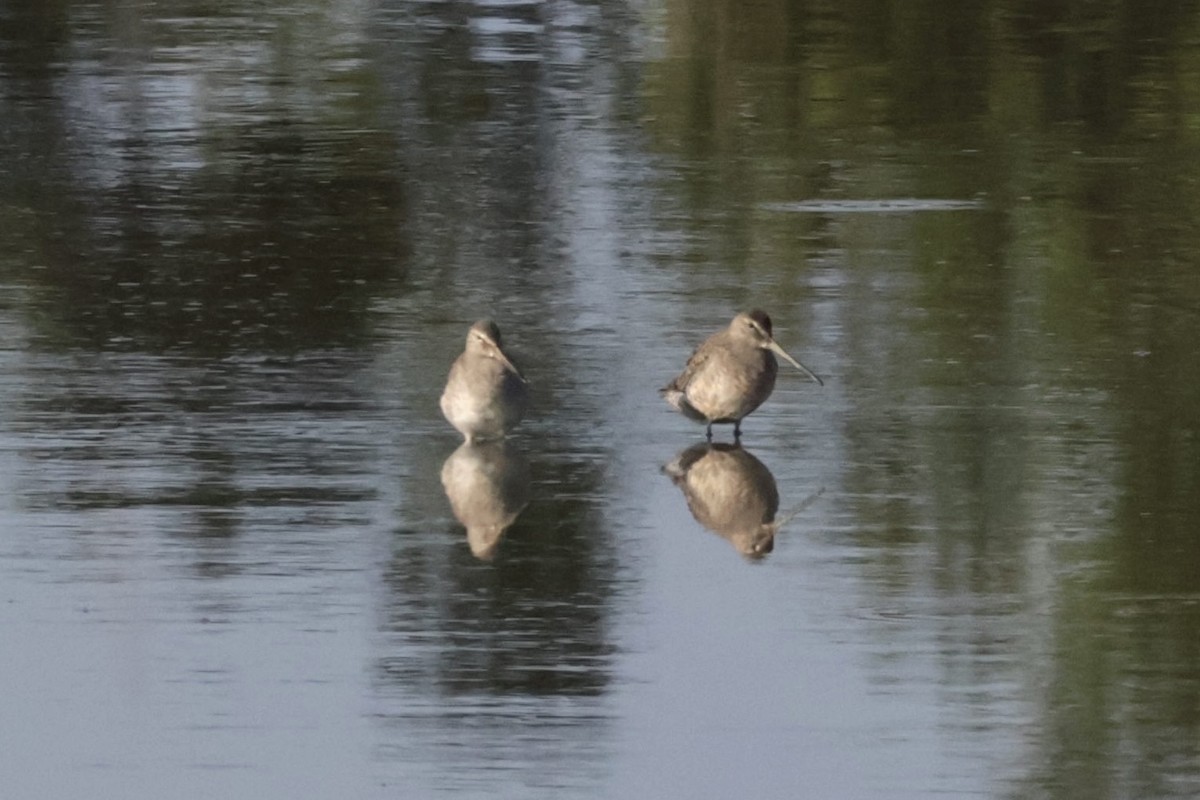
(242, 243)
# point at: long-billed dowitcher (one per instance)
(731, 374)
(485, 395)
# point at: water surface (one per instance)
(242, 245)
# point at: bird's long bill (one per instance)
(774, 347)
(504, 360)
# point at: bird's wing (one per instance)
(695, 363)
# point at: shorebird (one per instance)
(731, 374)
(485, 395)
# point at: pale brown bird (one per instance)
(485, 395)
(731, 374)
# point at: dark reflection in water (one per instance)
(244, 443)
(506, 660)
(247, 222)
(487, 484)
(503, 626)
(153, 282)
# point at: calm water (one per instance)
(242, 244)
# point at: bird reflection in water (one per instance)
(732, 493)
(487, 484)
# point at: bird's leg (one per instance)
(737, 430)
(708, 432)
